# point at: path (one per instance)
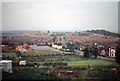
(104, 58)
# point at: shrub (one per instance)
(31, 74)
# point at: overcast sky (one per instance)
(53, 15)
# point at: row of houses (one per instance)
(107, 52)
(102, 51)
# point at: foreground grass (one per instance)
(52, 57)
(30, 74)
(45, 52)
(83, 63)
(100, 69)
(9, 55)
(91, 62)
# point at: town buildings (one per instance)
(112, 52)
(78, 41)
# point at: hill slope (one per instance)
(104, 32)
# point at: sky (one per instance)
(62, 15)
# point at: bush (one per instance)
(30, 64)
(104, 73)
(117, 55)
(55, 64)
(31, 74)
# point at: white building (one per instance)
(111, 52)
(22, 62)
(56, 46)
(6, 65)
(59, 47)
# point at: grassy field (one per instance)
(45, 52)
(47, 57)
(100, 69)
(72, 60)
(91, 62)
(9, 55)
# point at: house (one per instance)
(25, 45)
(59, 47)
(103, 51)
(15, 47)
(21, 49)
(6, 65)
(22, 62)
(28, 48)
(54, 46)
(112, 52)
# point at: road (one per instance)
(104, 58)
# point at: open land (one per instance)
(44, 62)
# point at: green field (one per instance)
(99, 69)
(45, 52)
(51, 57)
(9, 55)
(30, 74)
(71, 60)
(91, 62)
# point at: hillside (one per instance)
(104, 32)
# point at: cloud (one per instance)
(59, 15)
(60, 0)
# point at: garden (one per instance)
(64, 67)
(9, 55)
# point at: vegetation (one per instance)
(118, 54)
(70, 47)
(73, 62)
(57, 34)
(90, 62)
(42, 59)
(55, 63)
(54, 38)
(86, 52)
(95, 52)
(9, 55)
(104, 32)
(48, 31)
(83, 34)
(99, 69)
(31, 74)
(105, 73)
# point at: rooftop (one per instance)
(35, 47)
(5, 61)
(23, 61)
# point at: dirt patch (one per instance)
(68, 72)
(21, 67)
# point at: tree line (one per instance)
(104, 32)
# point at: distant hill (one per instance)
(18, 31)
(104, 32)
